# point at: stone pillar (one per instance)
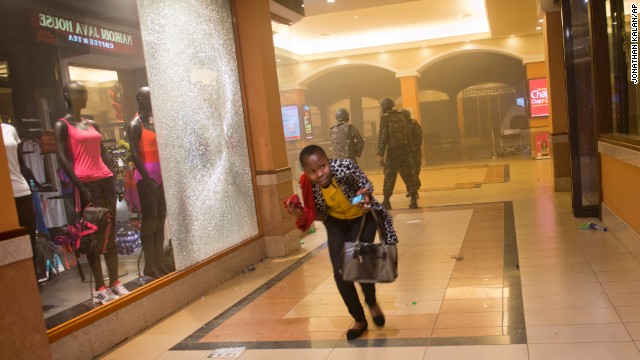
(260, 82)
(559, 123)
(410, 98)
(22, 330)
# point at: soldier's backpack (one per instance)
(340, 139)
(398, 129)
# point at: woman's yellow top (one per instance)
(338, 205)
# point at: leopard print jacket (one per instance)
(350, 178)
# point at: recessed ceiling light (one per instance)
(541, 20)
(539, 28)
(331, 1)
(277, 60)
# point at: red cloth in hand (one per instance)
(308, 210)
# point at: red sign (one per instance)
(538, 99)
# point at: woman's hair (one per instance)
(310, 150)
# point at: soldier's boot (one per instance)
(413, 204)
(385, 203)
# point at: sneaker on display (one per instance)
(103, 295)
(119, 289)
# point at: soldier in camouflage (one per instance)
(346, 141)
(393, 140)
(415, 142)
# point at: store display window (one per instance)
(73, 87)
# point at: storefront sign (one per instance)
(538, 99)
(487, 91)
(76, 32)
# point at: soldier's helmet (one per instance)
(342, 114)
(387, 104)
(406, 113)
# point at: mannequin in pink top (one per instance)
(84, 159)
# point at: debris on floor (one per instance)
(592, 226)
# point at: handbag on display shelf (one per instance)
(95, 228)
(369, 262)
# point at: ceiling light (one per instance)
(541, 20)
(277, 60)
(467, 41)
(381, 52)
(539, 28)
(511, 35)
(331, 1)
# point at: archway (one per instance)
(451, 74)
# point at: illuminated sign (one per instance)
(291, 122)
(55, 30)
(306, 119)
(538, 98)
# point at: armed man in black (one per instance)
(393, 140)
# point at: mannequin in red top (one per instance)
(86, 162)
(144, 154)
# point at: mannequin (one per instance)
(87, 164)
(144, 154)
(21, 190)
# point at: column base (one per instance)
(279, 246)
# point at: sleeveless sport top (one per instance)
(149, 155)
(85, 152)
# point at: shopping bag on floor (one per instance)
(369, 262)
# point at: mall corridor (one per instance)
(528, 285)
(183, 123)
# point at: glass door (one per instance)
(583, 128)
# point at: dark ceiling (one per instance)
(119, 12)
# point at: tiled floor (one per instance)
(526, 284)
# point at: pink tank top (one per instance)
(85, 147)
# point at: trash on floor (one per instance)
(457, 257)
(227, 352)
(592, 226)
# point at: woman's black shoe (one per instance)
(356, 331)
(377, 315)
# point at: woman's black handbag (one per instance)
(369, 262)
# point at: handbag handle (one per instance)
(364, 218)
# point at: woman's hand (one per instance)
(293, 206)
(366, 199)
